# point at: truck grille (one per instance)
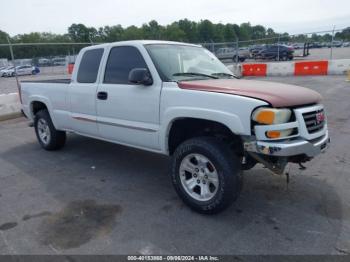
(314, 121)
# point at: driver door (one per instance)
(127, 113)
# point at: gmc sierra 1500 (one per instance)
(180, 100)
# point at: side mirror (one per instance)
(140, 76)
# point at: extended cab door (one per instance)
(128, 113)
(82, 93)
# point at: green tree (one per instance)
(343, 35)
(190, 29)
(245, 32)
(132, 33)
(4, 50)
(230, 32)
(173, 32)
(206, 31)
(81, 33)
(258, 32)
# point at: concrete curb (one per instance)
(10, 106)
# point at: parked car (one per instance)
(21, 70)
(4, 70)
(255, 49)
(346, 44)
(44, 62)
(335, 44)
(315, 45)
(298, 45)
(276, 52)
(179, 100)
(231, 53)
(59, 61)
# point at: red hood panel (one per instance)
(276, 94)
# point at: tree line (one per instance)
(183, 30)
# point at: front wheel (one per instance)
(206, 174)
(48, 136)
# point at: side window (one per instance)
(121, 61)
(89, 64)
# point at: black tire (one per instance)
(56, 140)
(284, 57)
(227, 165)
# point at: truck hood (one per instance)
(276, 94)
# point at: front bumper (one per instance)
(292, 147)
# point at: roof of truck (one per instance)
(142, 42)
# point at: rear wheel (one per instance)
(284, 57)
(206, 174)
(48, 136)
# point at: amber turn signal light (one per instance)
(273, 134)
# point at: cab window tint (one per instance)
(121, 61)
(89, 64)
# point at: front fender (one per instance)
(230, 120)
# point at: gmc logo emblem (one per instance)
(320, 117)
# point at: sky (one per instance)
(55, 16)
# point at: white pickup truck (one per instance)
(179, 100)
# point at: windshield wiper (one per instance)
(195, 74)
(224, 74)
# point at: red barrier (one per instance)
(254, 69)
(311, 68)
(70, 68)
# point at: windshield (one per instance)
(183, 62)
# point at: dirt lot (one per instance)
(98, 198)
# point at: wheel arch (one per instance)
(180, 129)
(39, 103)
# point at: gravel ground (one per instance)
(94, 197)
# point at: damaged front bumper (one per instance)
(288, 148)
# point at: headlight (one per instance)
(271, 116)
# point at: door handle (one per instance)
(102, 95)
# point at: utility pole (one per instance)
(278, 48)
(332, 43)
(13, 61)
(237, 50)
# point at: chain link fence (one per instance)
(51, 60)
(44, 58)
(324, 45)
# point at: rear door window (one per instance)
(89, 65)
